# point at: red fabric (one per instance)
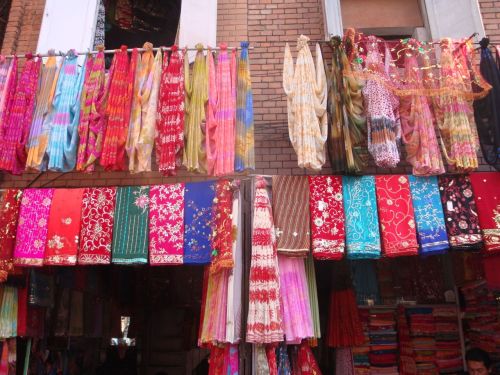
(485, 187)
(96, 235)
(10, 201)
(64, 227)
(327, 217)
(306, 362)
(344, 325)
(216, 362)
(271, 359)
(22, 311)
(4, 359)
(396, 216)
(222, 235)
(491, 268)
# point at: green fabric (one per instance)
(313, 294)
(130, 233)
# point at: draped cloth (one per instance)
(306, 91)
(306, 362)
(485, 186)
(92, 119)
(98, 206)
(196, 89)
(291, 214)
(344, 361)
(213, 327)
(63, 235)
(32, 227)
(396, 216)
(361, 222)
(344, 325)
(327, 217)
(16, 122)
(10, 201)
(431, 226)
(313, 295)
(118, 108)
(170, 121)
(39, 136)
(5, 77)
(222, 227)
(198, 218)
(284, 367)
(130, 242)
(365, 281)
(166, 224)
(264, 322)
(64, 116)
(295, 303)
(245, 154)
(8, 312)
(220, 140)
(460, 212)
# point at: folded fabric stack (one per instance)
(361, 354)
(407, 364)
(449, 353)
(422, 331)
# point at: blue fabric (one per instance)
(364, 274)
(198, 201)
(361, 219)
(284, 367)
(431, 228)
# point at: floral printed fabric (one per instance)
(327, 217)
(32, 227)
(431, 227)
(10, 201)
(166, 224)
(485, 187)
(130, 242)
(63, 235)
(198, 217)
(98, 206)
(222, 233)
(462, 223)
(397, 220)
(361, 222)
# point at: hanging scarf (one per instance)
(488, 208)
(8, 312)
(245, 155)
(271, 359)
(63, 235)
(198, 218)
(458, 138)
(306, 362)
(196, 89)
(486, 109)
(10, 201)
(313, 295)
(170, 122)
(384, 128)
(130, 242)
(306, 90)
(417, 122)
(118, 106)
(365, 281)
(64, 116)
(327, 217)
(5, 77)
(291, 214)
(397, 220)
(345, 329)
(143, 119)
(98, 206)
(39, 136)
(8, 88)
(32, 228)
(166, 224)
(92, 121)
(222, 233)
(361, 221)
(284, 367)
(344, 361)
(264, 323)
(259, 360)
(460, 211)
(15, 127)
(220, 141)
(295, 304)
(431, 227)
(346, 131)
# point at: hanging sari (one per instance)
(306, 362)
(365, 281)
(130, 242)
(313, 295)
(63, 235)
(222, 233)
(213, 327)
(8, 88)
(170, 121)
(397, 220)
(488, 208)
(245, 154)
(284, 367)
(264, 322)
(344, 362)
(98, 206)
(166, 224)
(459, 205)
(361, 221)
(291, 214)
(344, 325)
(8, 312)
(10, 201)
(431, 226)
(198, 218)
(32, 229)
(5, 77)
(327, 217)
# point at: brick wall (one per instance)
(267, 24)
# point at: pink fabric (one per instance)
(32, 227)
(166, 224)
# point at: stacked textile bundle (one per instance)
(449, 352)
(422, 330)
(407, 365)
(361, 353)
